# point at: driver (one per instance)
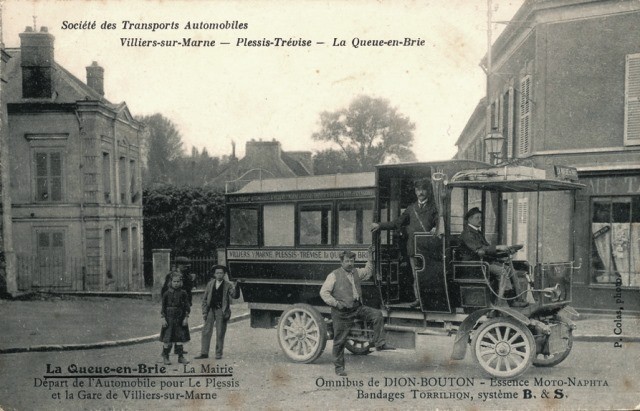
(475, 247)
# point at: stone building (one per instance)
(565, 90)
(74, 172)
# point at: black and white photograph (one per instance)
(323, 205)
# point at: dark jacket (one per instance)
(228, 291)
(425, 221)
(187, 285)
(471, 241)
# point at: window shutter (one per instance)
(632, 100)
(510, 124)
(525, 116)
(523, 226)
(509, 221)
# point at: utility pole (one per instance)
(489, 18)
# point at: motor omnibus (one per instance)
(284, 235)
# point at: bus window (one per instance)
(315, 224)
(457, 210)
(243, 226)
(278, 224)
(354, 222)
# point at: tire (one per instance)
(355, 341)
(542, 360)
(302, 333)
(503, 347)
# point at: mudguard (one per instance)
(462, 336)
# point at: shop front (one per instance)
(608, 241)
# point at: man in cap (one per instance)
(343, 292)
(216, 309)
(421, 216)
(474, 246)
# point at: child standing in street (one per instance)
(175, 316)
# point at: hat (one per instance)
(182, 261)
(222, 267)
(472, 212)
(347, 254)
(422, 183)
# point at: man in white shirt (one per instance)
(343, 292)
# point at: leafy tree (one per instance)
(333, 161)
(188, 220)
(163, 148)
(368, 132)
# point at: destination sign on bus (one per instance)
(299, 195)
(291, 255)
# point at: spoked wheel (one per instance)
(302, 333)
(357, 341)
(503, 347)
(562, 352)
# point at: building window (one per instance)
(51, 257)
(243, 226)
(122, 170)
(507, 122)
(278, 224)
(354, 220)
(106, 177)
(108, 254)
(615, 229)
(48, 176)
(133, 189)
(632, 100)
(135, 250)
(524, 143)
(315, 224)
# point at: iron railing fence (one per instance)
(59, 273)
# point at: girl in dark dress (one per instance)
(175, 316)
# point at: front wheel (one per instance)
(503, 347)
(302, 333)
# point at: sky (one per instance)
(237, 92)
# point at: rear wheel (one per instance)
(503, 347)
(302, 333)
(554, 358)
(358, 342)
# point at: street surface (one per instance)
(595, 376)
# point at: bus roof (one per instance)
(308, 183)
(519, 186)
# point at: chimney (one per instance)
(263, 153)
(95, 77)
(36, 50)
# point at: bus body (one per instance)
(284, 236)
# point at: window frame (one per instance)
(593, 250)
(331, 241)
(364, 230)
(258, 210)
(48, 152)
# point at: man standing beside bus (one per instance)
(421, 216)
(343, 292)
